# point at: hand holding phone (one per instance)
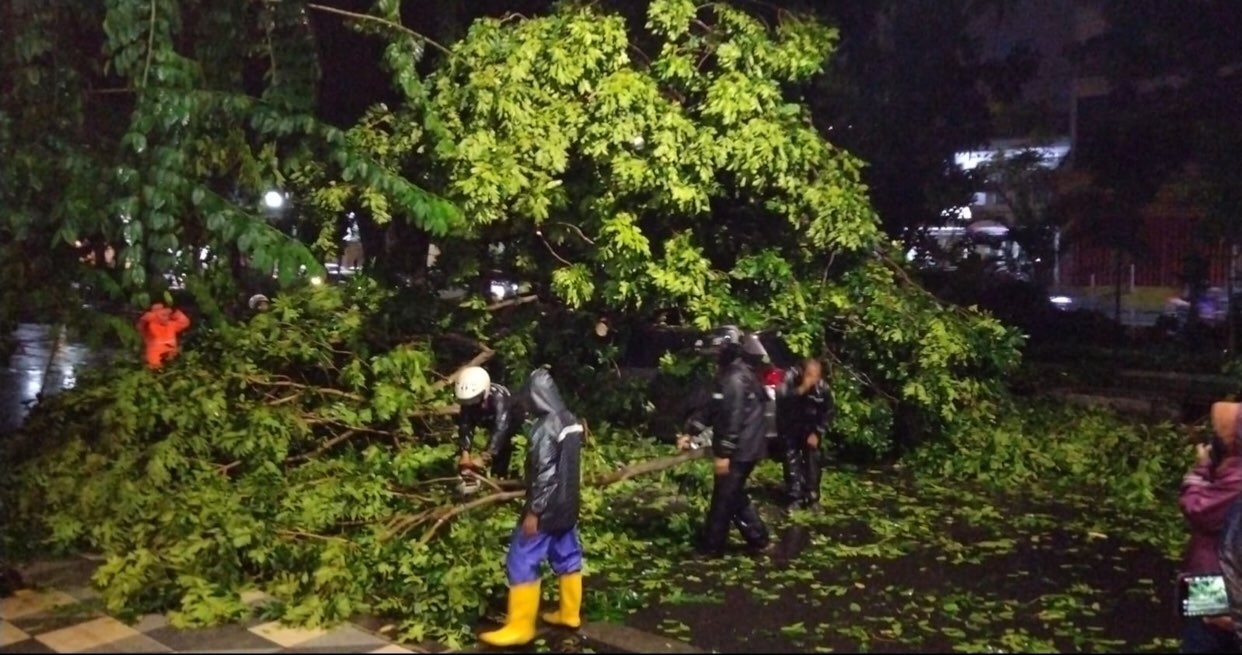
(1202, 596)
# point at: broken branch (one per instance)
(327, 445)
(512, 302)
(620, 475)
(327, 391)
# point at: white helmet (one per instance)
(472, 383)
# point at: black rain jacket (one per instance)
(553, 476)
(738, 423)
(500, 410)
(798, 416)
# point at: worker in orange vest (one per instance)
(159, 328)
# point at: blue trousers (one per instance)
(562, 550)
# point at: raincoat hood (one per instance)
(540, 394)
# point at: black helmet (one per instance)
(723, 339)
(753, 351)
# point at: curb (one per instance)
(616, 638)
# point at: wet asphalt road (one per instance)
(46, 361)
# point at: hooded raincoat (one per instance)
(553, 476)
(553, 480)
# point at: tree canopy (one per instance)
(638, 172)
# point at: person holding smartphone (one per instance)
(1209, 489)
(803, 411)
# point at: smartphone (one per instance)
(1202, 595)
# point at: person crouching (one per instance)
(548, 526)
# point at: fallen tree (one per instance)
(299, 452)
(283, 455)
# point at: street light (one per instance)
(274, 199)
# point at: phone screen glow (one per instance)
(1205, 596)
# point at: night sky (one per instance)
(353, 78)
(1048, 27)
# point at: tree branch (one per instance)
(120, 90)
(327, 391)
(150, 46)
(577, 229)
(310, 535)
(512, 302)
(344, 436)
(478, 360)
(554, 253)
(381, 21)
(651, 466)
(622, 474)
(446, 516)
(287, 399)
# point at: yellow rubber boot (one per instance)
(519, 628)
(570, 614)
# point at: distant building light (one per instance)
(1061, 300)
(1049, 156)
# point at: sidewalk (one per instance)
(62, 614)
(58, 612)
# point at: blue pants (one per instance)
(562, 550)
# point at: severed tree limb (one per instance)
(512, 302)
(327, 391)
(478, 360)
(446, 514)
(310, 535)
(651, 466)
(280, 401)
(344, 436)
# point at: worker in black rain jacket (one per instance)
(548, 527)
(738, 439)
(486, 404)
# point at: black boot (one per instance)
(812, 464)
(725, 491)
(753, 530)
(792, 467)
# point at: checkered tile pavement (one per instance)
(69, 620)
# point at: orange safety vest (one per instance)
(159, 328)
